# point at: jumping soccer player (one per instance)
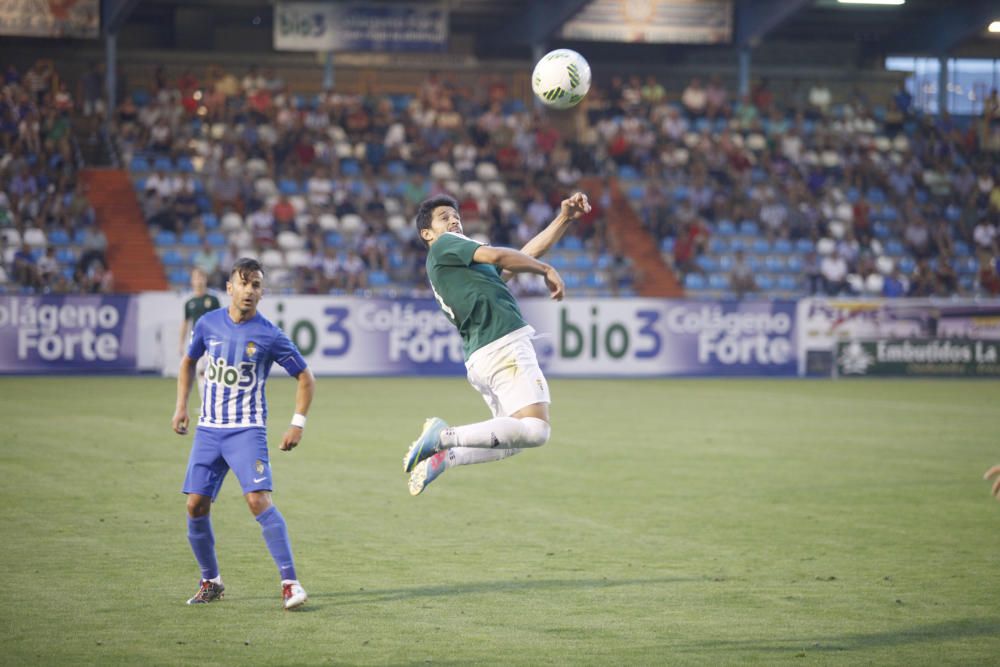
(232, 430)
(467, 278)
(200, 303)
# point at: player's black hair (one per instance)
(246, 267)
(426, 210)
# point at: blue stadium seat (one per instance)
(139, 184)
(906, 265)
(559, 260)
(788, 283)
(165, 237)
(726, 263)
(287, 186)
(636, 192)
(184, 164)
(737, 244)
(583, 262)
(79, 236)
(782, 247)
(793, 264)
(804, 246)
(681, 193)
(58, 237)
(396, 259)
(140, 97)
(718, 281)
(163, 164)
(172, 258)
(216, 239)
(350, 168)
(707, 263)
(761, 246)
(967, 265)
(894, 248)
(764, 282)
(396, 168)
(191, 238)
(138, 163)
(179, 276)
(332, 239)
(718, 245)
(961, 248)
(210, 220)
(603, 261)
(66, 255)
(667, 244)
(774, 264)
(695, 281)
(378, 278)
(725, 228)
(749, 228)
(597, 279)
(571, 243)
(572, 280)
(627, 172)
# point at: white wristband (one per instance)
(299, 420)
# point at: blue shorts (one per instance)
(217, 450)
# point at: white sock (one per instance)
(289, 581)
(498, 433)
(463, 456)
(216, 580)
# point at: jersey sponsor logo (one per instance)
(243, 376)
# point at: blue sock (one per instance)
(202, 541)
(272, 526)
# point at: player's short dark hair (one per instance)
(246, 267)
(426, 210)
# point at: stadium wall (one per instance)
(576, 338)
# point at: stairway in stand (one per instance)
(134, 262)
(653, 278)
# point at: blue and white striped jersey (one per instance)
(239, 361)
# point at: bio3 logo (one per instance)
(242, 376)
(596, 339)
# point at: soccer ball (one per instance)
(561, 78)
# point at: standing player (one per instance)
(200, 303)
(232, 434)
(467, 279)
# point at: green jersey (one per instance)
(197, 306)
(472, 295)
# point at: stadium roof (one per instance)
(929, 27)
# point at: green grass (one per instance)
(667, 522)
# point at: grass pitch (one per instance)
(666, 522)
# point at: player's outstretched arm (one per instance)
(185, 378)
(515, 261)
(994, 472)
(570, 209)
(303, 399)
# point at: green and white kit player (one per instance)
(468, 280)
(201, 302)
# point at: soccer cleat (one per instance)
(293, 595)
(208, 592)
(427, 471)
(428, 444)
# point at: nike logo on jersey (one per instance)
(213, 343)
(258, 480)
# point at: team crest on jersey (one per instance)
(259, 467)
(251, 349)
(208, 302)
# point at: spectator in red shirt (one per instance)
(284, 214)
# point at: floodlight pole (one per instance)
(942, 87)
(110, 72)
(328, 72)
(744, 71)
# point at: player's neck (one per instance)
(239, 316)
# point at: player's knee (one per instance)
(536, 431)
(198, 506)
(258, 502)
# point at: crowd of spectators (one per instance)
(49, 237)
(854, 179)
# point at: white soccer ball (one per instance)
(561, 78)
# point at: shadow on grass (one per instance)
(949, 630)
(479, 587)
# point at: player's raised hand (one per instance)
(557, 290)
(293, 436)
(180, 421)
(575, 205)
(994, 472)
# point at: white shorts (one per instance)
(507, 374)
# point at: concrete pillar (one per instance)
(110, 71)
(744, 71)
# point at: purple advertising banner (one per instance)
(68, 334)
